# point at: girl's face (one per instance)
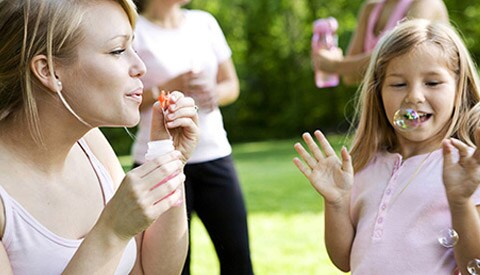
(421, 77)
(103, 86)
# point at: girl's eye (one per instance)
(118, 52)
(397, 85)
(432, 83)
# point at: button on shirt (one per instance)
(397, 231)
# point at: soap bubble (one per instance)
(406, 118)
(473, 267)
(448, 237)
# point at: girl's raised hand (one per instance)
(329, 175)
(461, 178)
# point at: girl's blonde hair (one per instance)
(374, 132)
(32, 27)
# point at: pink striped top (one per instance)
(398, 14)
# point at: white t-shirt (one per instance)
(198, 44)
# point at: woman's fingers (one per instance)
(158, 130)
(150, 166)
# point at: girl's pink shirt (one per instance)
(398, 234)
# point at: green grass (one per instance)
(285, 214)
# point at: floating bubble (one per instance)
(473, 267)
(448, 237)
(406, 118)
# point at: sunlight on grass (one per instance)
(280, 244)
(285, 214)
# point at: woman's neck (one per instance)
(48, 154)
(164, 15)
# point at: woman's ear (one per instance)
(41, 70)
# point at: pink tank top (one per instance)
(399, 12)
(33, 249)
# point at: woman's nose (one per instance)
(138, 68)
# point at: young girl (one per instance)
(406, 202)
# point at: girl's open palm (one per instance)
(461, 178)
(329, 175)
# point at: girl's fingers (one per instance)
(312, 146)
(305, 171)
(309, 160)
(327, 148)
(462, 150)
(447, 153)
(346, 161)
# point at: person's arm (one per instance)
(434, 10)
(351, 66)
(332, 178)
(462, 181)
(162, 247)
(228, 88)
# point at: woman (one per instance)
(375, 18)
(66, 205)
(186, 50)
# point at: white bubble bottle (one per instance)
(324, 37)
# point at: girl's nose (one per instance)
(415, 95)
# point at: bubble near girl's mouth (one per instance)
(406, 119)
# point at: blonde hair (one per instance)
(374, 132)
(32, 27)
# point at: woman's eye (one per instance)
(118, 52)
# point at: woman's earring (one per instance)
(59, 84)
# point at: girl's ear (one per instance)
(40, 69)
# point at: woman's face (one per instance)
(103, 86)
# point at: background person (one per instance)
(186, 50)
(374, 19)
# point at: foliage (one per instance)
(270, 40)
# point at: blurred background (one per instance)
(270, 40)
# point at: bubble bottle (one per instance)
(324, 37)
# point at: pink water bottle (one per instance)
(324, 37)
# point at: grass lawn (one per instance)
(285, 214)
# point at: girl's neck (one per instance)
(165, 15)
(413, 149)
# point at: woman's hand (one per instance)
(178, 121)
(462, 178)
(326, 59)
(329, 175)
(197, 86)
(146, 192)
